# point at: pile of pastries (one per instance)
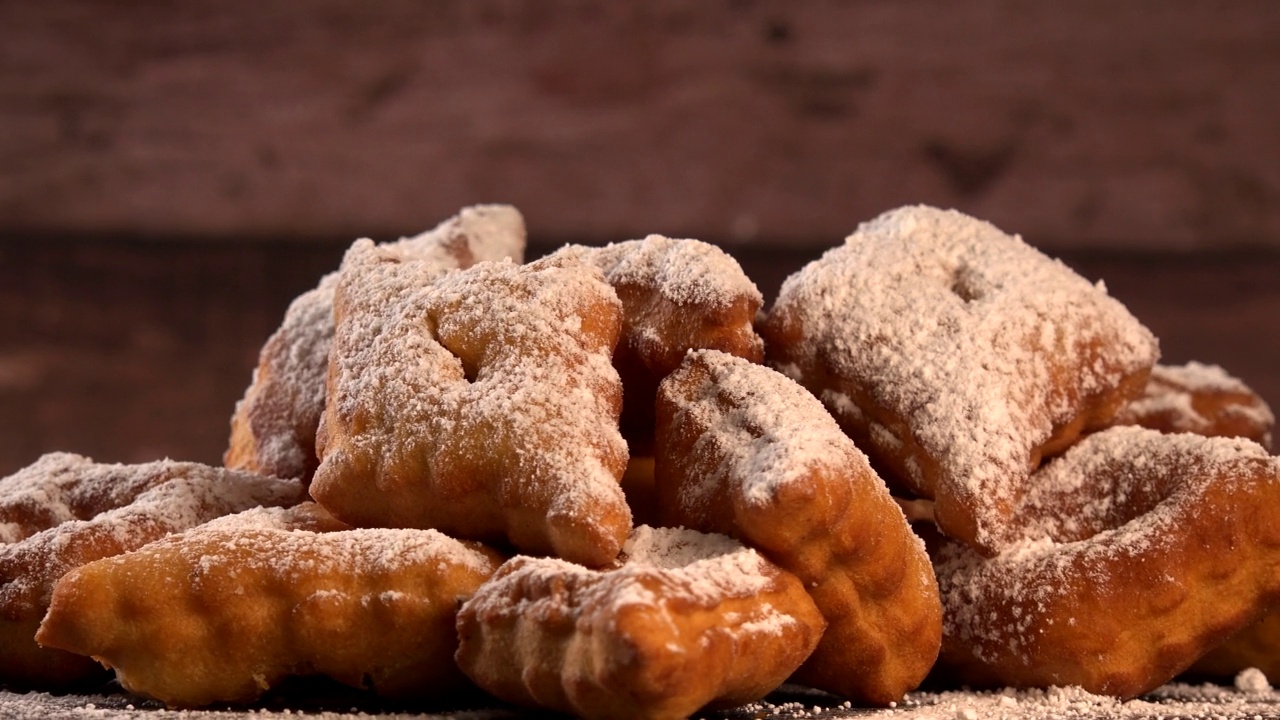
(609, 482)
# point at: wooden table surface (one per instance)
(128, 351)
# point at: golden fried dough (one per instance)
(687, 620)
(957, 357)
(1201, 399)
(273, 429)
(65, 510)
(482, 403)
(1254, 646)
(745, 451)
(224, 612)
(1138, 553)
(677, 295)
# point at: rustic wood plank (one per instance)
(1087, 124)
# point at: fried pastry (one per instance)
(745, 451)
(273, 429)
(677, 295)
(1202, 399)
(687, 620)
(224, 612)
(1139, 551)
(1254, 646)
(482, 403)
(957, 357)
(307, 515)
(65, 510)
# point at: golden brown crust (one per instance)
(94, 510)
(1254, 646)
(1201, 399)
(482, 403)
(688, 620)
(221, 614)
(677, 295)
(743, 450)
(956, 356)
(1140, 552)
(273, 429)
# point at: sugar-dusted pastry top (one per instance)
(744, 450)
(65, 510)
(659, 568)
(1137, 552)
(686, 619)
(1202, 399)
(273, 428)
(307, 515)
(482, 403)
(756, 428)
(682, 271)
(228, 610)
(677, 295)
(958, 354)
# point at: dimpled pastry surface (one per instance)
(957, 357)
(482, 403)
(1140, 551)
(1201, 399)
(224, 612)
(677, 295)
(66, 510)
(273, 428)
(744, 450)
(686, 620)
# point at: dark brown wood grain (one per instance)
(133, 351)
(1089, 124)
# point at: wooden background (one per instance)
(171, 174)
(1094, 123)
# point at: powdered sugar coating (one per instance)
(221, 614)
(294, 557)
(482, 402)
(686, 619)
(282, 405)
(964, 349)
(93, 510)
(690, 567)
(677, 295)
(705, 563)
(744, 450)
(274, 424)
(309, 516)
(1138, 552)
(684, 271)
(1202, 399)
(764, 428)
(1176, 700)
